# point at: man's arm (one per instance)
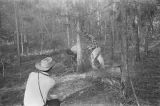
(69, 77)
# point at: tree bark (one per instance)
(17, 33)
(124, 64)
(98, 19)
(0, 19)
(137, 23)
(3, 68)
(42, 42)
(113, 35)
(22, 52)
(22, 38)
(79, 50)
(68, 37)
(146, 41)
(105, 33)
(137, 43)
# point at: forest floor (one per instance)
(146, 84)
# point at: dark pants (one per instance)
(53, 102)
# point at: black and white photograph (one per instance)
(79, 52)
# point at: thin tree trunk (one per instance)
(67, 25)
(137, 44)
(0, 20)
(123, 59)
(151, 25)
(113, 37)
(22, 39)
(105, 33)
(98, 19)
(79, 50)
(22, 44)
(27, 44)
(17, 32)
(68, 37)
(149, 30)
(137, 39)
(123, 38)
(41, 33)
(3, 68)
(42, 42)
(146, 41)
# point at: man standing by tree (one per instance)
(96, 57)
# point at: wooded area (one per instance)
(127, 32)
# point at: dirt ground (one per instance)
(146, 85)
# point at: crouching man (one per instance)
(39, 83)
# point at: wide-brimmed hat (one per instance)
(45, 64)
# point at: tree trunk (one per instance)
(42, 36)
(79, 50)
(22, 44)
(0, 20)
(124, 64)
(67, 24)
(68, 37)
(3, 68)
(123, 60)
(17, 32)
(105, 33)
(151, 25)
(98, 19)
(137, 39)
(146, 41)
(22, 38)
(113, 35)
(26, 44)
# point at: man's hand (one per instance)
(53, 97)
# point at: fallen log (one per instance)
(108, 72)
(73, 83)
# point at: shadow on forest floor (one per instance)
(146, 84)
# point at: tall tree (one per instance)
(98, 18)
(146, 40)
(137, 29)
(0, 19)
(22, 38)
(124, 64)
(79, 49)
(113, 34)
(66, 9)
(17, 33)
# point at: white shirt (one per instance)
(32, 96)
(94, 54)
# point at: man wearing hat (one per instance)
(39, 83)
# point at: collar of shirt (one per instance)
(45, 73)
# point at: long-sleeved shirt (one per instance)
(32, 96)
